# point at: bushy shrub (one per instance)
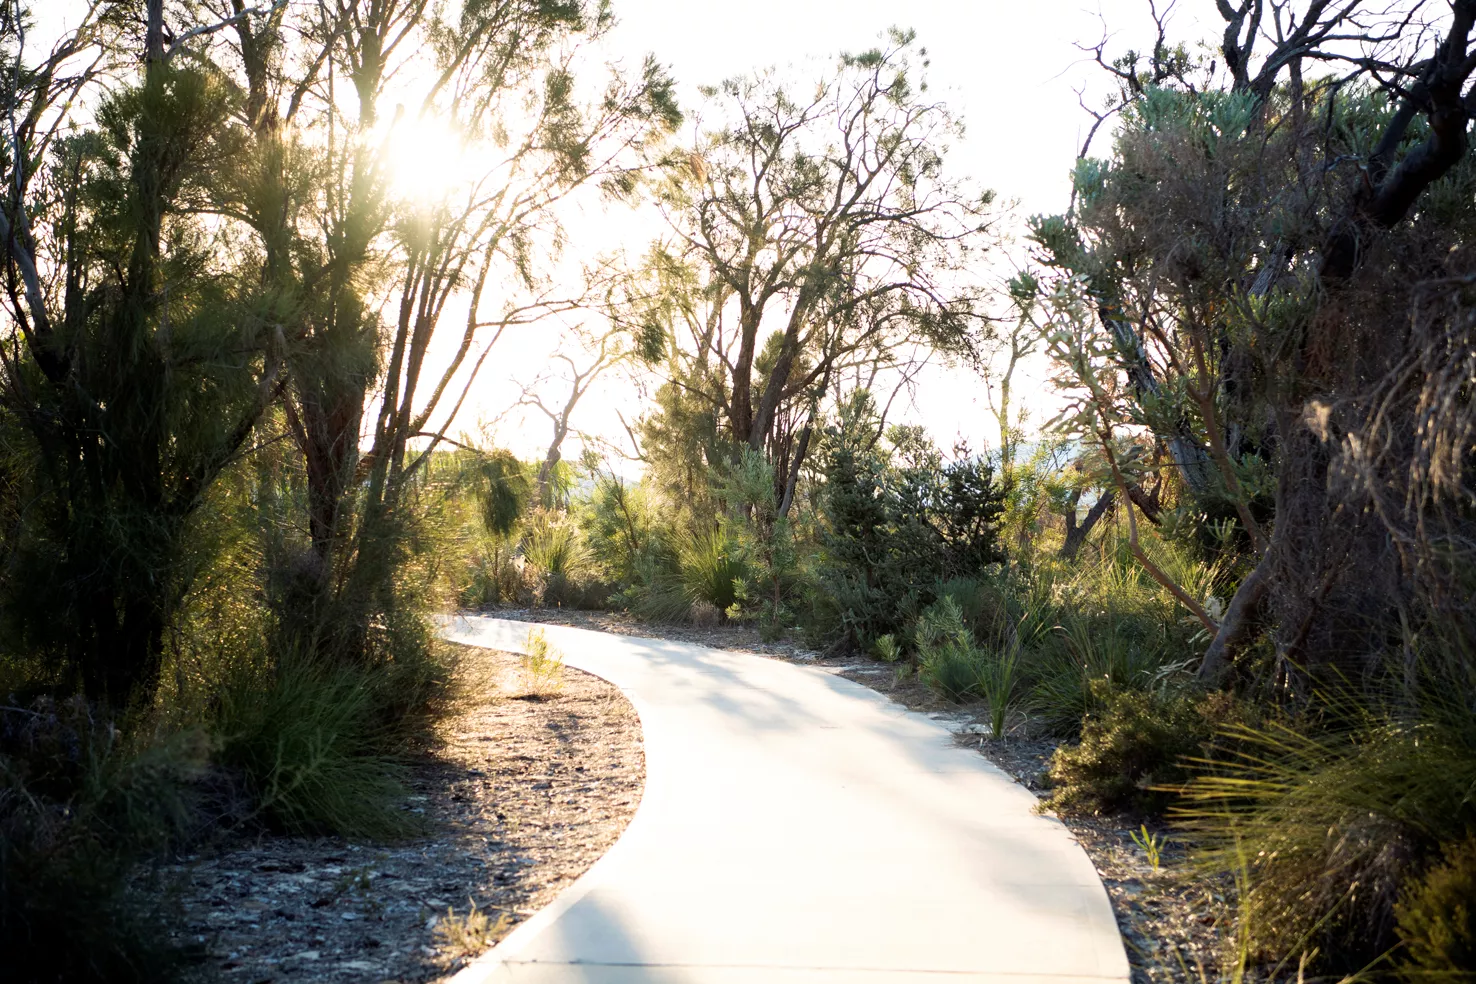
(1106, 621)
(77, 805)
(893, 536)
(1133, 750)
(948, 660)
(1436, 920)
(619, 525)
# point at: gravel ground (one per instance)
(1170, 921)
(527, 789)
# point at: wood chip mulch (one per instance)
(528, 789)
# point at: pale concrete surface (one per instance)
(798, 828)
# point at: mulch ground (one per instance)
(1170, 920)
(529, 787)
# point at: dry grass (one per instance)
(542, 667)
(462, 936)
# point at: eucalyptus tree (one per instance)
(141, 347)
(592, 359)
(814, 227)
(1265, 273)
(397, 238)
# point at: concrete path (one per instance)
(798, 828)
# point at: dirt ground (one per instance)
(532, 784)
(1170, 921)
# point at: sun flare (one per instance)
(426, 157)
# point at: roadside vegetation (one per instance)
(1233, 579)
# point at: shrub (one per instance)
(1133, 750)
(885, 648)
(314, 745)
(559, 562)
(1328, 828)
(77, 806)
(948, 660)
(543, 666)
(704, 614)
(1436, 920)
(710, 568)
(895, 537)
(1106, 621)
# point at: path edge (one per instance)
(482, 969)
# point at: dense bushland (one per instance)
(1233, 579)
(223, 541)
(1234, 576)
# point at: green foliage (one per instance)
(559, 561)
(1436, 920)
(543, 665)
(310, 741)
(885, 648)
(1151, 844)
(1133, 751)
(710, 568)
(948, 660)
(894, 533)
(764, 538)
(97, 570)
(77, 803)
(619, 524)
(503, 492)
(1332, 823)
(1107, 621)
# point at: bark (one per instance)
(1077, 534)
(1242, 618)
(792, 482)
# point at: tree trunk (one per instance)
(1076, 535)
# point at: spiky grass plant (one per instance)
(1332, 825)
(314, 745)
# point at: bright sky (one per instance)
(1008, 68)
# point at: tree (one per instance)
(899, 522)
(365, 408)
(141, 348)
(607, 352)
(1249, 277)
(814, 229)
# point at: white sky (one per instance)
(1009, 70)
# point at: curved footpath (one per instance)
(799, 828)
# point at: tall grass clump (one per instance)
(1340, 822)
(700, 571)
(1108, 622)
(559, 562)
(79, 802)
(314, 746)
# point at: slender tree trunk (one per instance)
(1078, 534)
